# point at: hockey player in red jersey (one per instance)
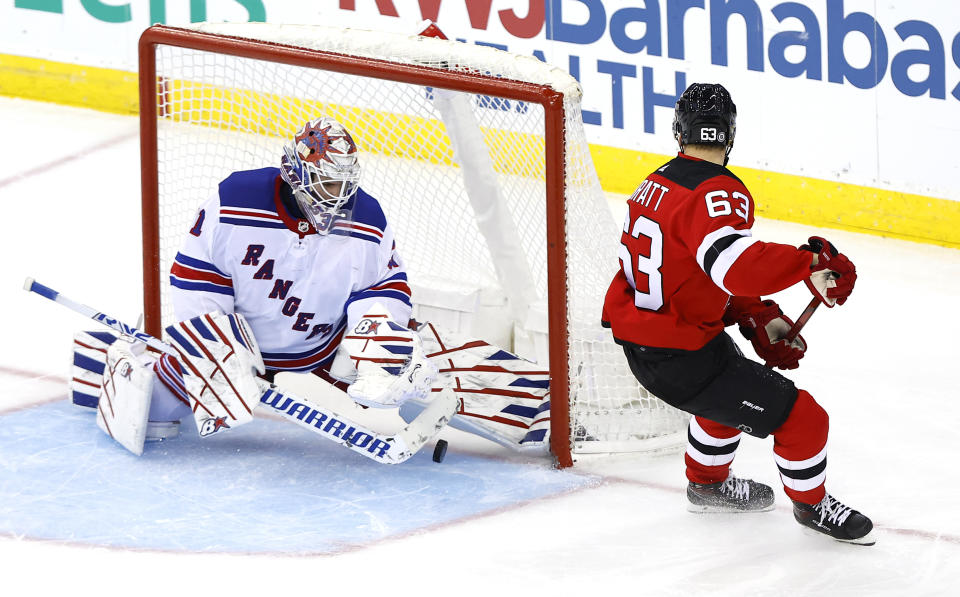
(689, 267)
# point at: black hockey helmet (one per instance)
(705, 115)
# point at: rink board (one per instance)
(265, 487)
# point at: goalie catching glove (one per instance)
(765, 325)
(391, 365)
(834, 275)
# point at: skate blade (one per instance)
(705, 509)
(867, 540)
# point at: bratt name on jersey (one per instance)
(646, 191)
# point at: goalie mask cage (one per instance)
(477, 156)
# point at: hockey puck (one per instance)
(440, 450)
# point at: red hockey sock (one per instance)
(711, 447)
(800, 448)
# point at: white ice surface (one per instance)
(882, 366)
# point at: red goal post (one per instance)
(218, 98)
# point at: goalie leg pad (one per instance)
(125, 396)
(89, 361)
(219, 356)
(503, 397)
(87, 384)
(532, 437)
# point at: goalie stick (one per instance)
(388, 449)
(31, 285)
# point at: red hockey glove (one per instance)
(765, 326)
(832, 278)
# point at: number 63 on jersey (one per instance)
(641, 248)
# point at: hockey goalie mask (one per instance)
(320, 164)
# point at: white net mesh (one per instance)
(219, 113)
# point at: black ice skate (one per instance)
(732, 495)
(836, 520)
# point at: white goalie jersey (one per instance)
(298, 290)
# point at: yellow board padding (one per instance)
(779, 196)
(835, 204)
(806, 200)
(102, 89)
(386, 133)
(278, 116)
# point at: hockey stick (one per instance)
(806, 315)
(31, 285)
(802, 320)
(386, 449)
(306, 413)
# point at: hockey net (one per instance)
(478, 158)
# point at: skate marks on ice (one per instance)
(264, 487)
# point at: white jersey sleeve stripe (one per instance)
(711, 239)
(720, 249)
(727, 258)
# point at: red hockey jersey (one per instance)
(686, 248)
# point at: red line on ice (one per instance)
(43, 168)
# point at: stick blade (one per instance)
(427, 425)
